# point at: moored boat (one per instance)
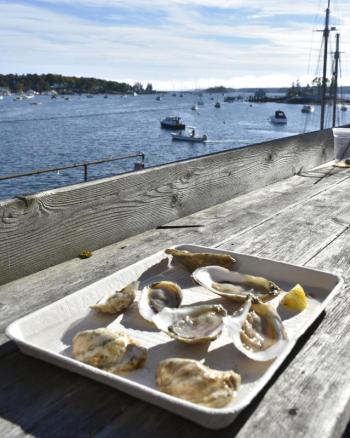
(190, 136)
(279, 118)
(217, 105)
(172, 122)
(307, 109)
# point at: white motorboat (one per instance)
(194, 108)
(307, 109)
(190, 136)
(279, 118)
(172, 122)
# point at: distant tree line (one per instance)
(68, 84)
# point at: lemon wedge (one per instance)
(295, 299)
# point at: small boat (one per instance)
(158, 98)
(105, 96)
(279, 118)
(189, 136)
(217, 105)
(194, 108)
(343, 108)
(307, 109)
(173, 122)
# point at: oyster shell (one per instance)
(156, 296)
(193, 324)
(109, 350)
(234, 285)
(195, 382)
(257, 330)
(192, 260)
(118, 301)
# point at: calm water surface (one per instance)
(59, 132)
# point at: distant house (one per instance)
(4, 91)
(260, 95)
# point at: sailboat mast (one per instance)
(324, 76)
(335, 80)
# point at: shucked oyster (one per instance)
(118, 301)
(192, 260)
(192, 381)
(109, 350)
(156, 296)
(257, 330)
(194, 324)
(234, 285)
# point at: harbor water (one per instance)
(42, 133)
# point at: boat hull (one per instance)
(165, 125)
(178, 137)
(278, 121)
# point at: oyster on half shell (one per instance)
(118, 301)
(156, 296)
(193, 324)
(109, 350)
(257, 330)
(193, 381)
(235, 285)
(193, 260)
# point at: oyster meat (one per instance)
(257, 330)
(156, 296)
(118, 301)
(235, 285)
(192, 381)
(109, 350)
(193, 324)
(192, 260)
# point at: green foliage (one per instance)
(67, 84)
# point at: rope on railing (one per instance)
(85, 164)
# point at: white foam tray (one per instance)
(47, 333)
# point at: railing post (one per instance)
(85, 172)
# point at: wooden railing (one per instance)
(47, 228)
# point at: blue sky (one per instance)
(173, 44)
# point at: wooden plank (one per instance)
(270, 237)
(312, 396)
(220, 222)
(282, 240)
(47, 401)
(42, 230)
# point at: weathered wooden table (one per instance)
(293, 220)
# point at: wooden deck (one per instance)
(295, 220)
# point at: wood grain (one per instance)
(45, 229)
(219, 222)
(295, 221)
